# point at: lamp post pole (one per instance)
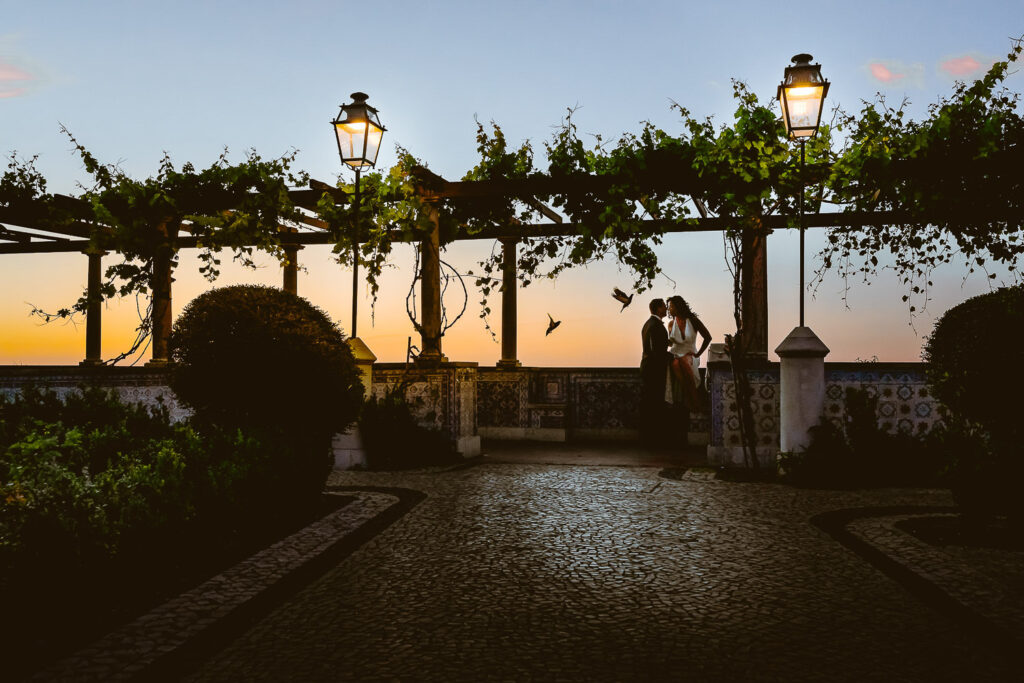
(802, 165)
(355, 260)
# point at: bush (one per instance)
(271, 363)
(974, 364)
(860, 453)
(101, 503)
(79, 489)
(980, 481)
(248, 355)
(828, 460)
(88, 408)
(393, 440)
(973, 358)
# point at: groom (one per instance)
(653, 371)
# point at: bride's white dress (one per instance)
(682, 341)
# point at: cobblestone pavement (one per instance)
(531, 572)
(967, 583)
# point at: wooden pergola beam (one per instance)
(15, 236)
(524, 231)
(66, 246)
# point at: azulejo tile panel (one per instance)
(904, 401)
(424, 391)
(442, 398)
(725, 420)
(606, 402)
(565, 398)
(500, 403)
(133, 385)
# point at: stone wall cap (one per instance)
(443, 365)
(360, 350)
(802, 343)
(717, 354)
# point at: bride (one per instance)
(683, 326)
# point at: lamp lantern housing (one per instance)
(802, 97)
(359, 132)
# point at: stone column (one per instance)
(348, 446)
(93, 314)
(802, 379)
(291, 268)
(509, 307)
(160, 291)
(430, 293)
(755, 293)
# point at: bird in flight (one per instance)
(621, 297)
(552, 324)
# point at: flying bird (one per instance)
(552, 325)
(621, 297)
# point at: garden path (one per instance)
(525, 571)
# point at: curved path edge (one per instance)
(914, 565)
(176, 637)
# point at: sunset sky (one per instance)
(133, 79)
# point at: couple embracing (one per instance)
(669, 370)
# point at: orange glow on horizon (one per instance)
(593, 333)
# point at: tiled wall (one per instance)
(135, 385)
(905, 402)
(561, 404)
(442, 398)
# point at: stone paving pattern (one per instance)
(122, 654)
(534, 572)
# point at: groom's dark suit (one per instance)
(653, 371)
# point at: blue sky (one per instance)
(134, 79)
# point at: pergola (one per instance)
(18, 235)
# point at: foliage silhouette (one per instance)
(269, 362)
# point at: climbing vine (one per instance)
(954, 176)
(238, 207)
(390, 210)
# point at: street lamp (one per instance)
(359, 132)
(802, 97)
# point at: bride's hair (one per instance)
(683, 309)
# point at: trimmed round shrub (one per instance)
(976, 361)
(270, 363)
(976, 364)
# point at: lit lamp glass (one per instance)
(802, 96)
(359, 132)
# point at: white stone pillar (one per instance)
(364, 362)
(802, 391)
(348, 446)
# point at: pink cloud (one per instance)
(9, 72)
(12, 93)
(882, 73)
(961, 66)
